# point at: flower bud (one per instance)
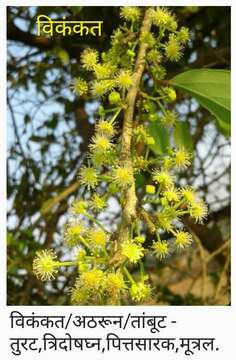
(130, 53)
(114, 97)
(150, 189)
(170, 94)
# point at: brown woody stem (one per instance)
(129, 214)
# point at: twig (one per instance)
(146, 217)
(17, 135)
(218, 251)
(203, 263)
(221, 280)
(49, 205)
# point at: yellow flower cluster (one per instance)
(95, 287)
(105, 258)
(140, 291)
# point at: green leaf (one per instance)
(161, 137)
(140, 180)
(223, 127)
(182, 135)
(211, 88)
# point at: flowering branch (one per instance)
(105, 259)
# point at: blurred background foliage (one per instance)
(49, 129)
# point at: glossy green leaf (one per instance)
(182, 135)
(211, 88)
(139, 180)
(161, 137)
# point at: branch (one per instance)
(51, 203)
(14, 122)
(147, 218)
(129, 209)
(218, 251)
(16, 34)
(221, 280)
(203, 264)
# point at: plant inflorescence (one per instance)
(129, 81)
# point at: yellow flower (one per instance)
(105, 128)
(154, 56)
(98, 203)
(164, 221)
(79, 86)
(79, 207)
(122, 176)
(45, 265)
(130, 13)
(170, 94)
(73, 233)
(183, 35)
(100, 143)
(132, 251)
(166, 217)
(80, 296)
(183, 239)
(92, 279)
(102, 87)
(164, 178)
(98, 157)
(104, 71)
(171, 194)
(117, 37)
(198, 211)
(89, 58)
(182, 158)
(169, 118)
(161, 249)
(124, 79)
(140, 163)
(162, 17)
(88, 176)
(167, 162)
(173, 48)
(97, 237)
(89, 287)
(115, 282)
(159, 73)
(140, 291)
(75, 229)
(188, 194)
